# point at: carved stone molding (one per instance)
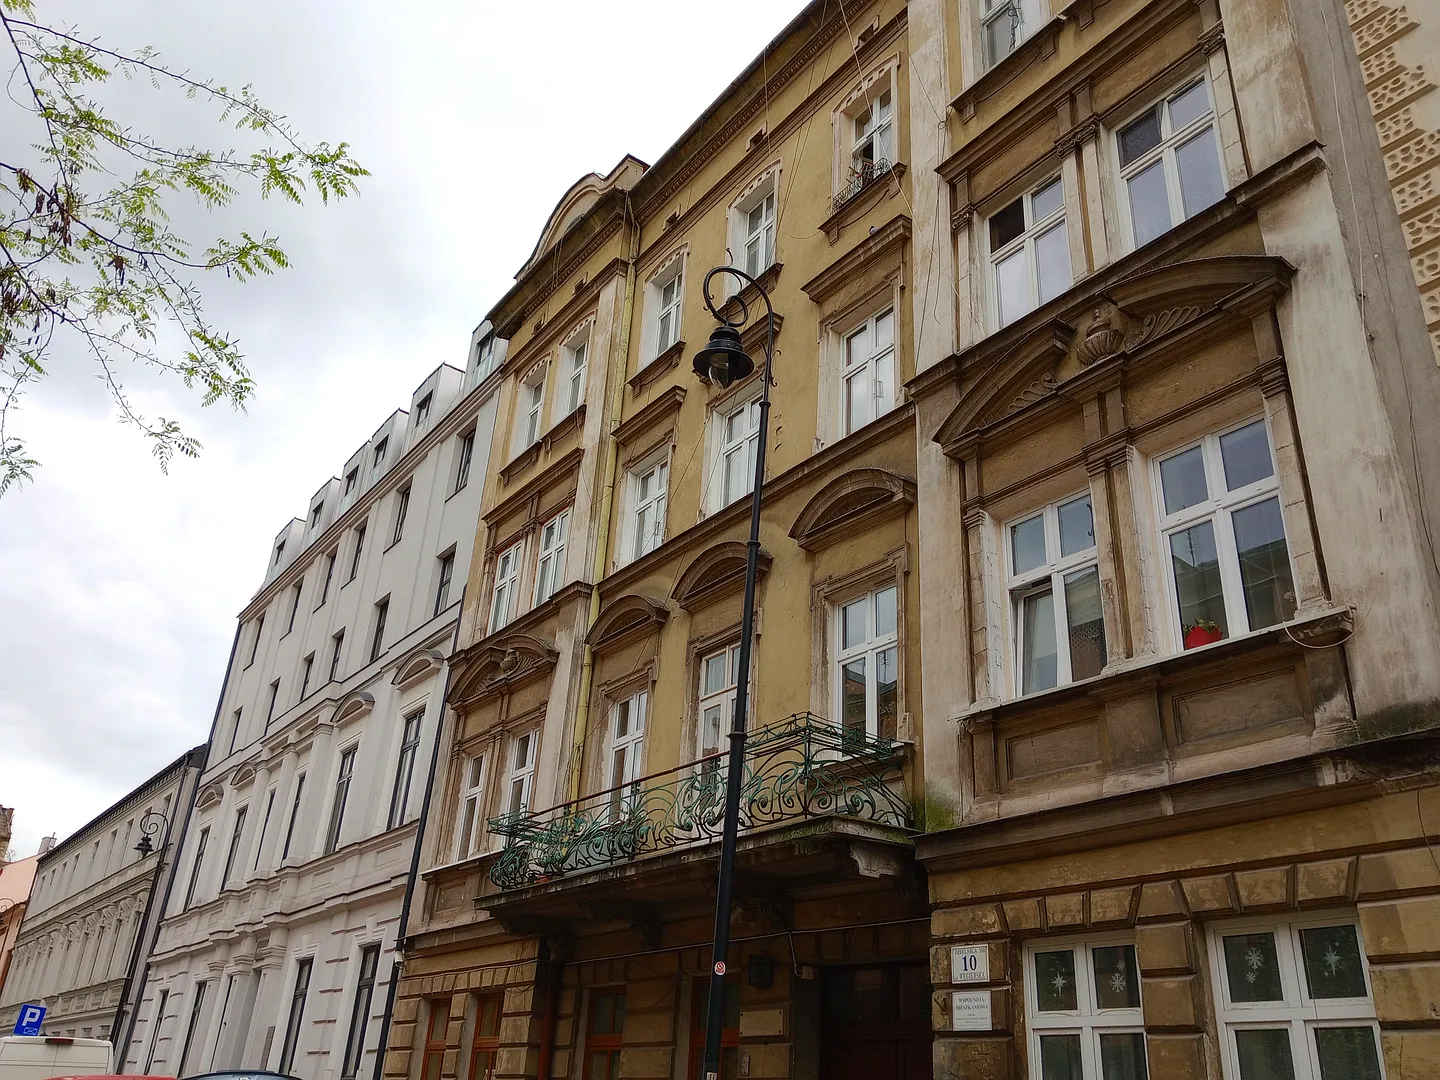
(849, 504)
(715, 572)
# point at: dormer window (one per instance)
(380, 448)
(279, 552)
(315, 512)
(350, 478)
(422, 411)
(485, 357)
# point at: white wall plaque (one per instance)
(970, 1011)
(969, 963)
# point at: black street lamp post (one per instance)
(150, 824)
(724, 361)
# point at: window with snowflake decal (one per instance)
(1295, 1001)
(1083, 1006)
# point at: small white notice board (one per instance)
(970, 1010)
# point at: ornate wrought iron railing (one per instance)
(860, 179)
(801, 767)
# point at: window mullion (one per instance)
(1230, 581)
(1063, 672)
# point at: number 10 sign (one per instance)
(969, 963)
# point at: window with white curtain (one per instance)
(1082, 1008)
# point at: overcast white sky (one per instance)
(119, 586)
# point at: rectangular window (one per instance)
(520, 783)
(551, 565)
(255, 641)
(1004, 24)
(350, 479)
(868, 381)
(485, 1047)
(719, 676)
(1229, 565)
(737, 440)
(195, 866)
(1170, 162)
(1294, 1001)
(264, 827)
(404, 769)
(196, 1006)
(729, 1029)
(873, 148)
(1054, 589)
(442, 582)
(360, 1011)
(671, 294)
(575, 357)
(422, 410)
(1029, 251)
(464, 451)
(306, 669)
(377, 639)
(502, 594)
(437, 1025)
(649, 492)
(532, 406)
(329, 576)
(1082, 1004)
(155, 1034)
(294, 604)
(867, 665)
(294, 816)
(235, 729)
(472, 808)
(337, 646)
(603, 1035)
(316, 512)
(237, 834)
(359, 548)
(485, 357)
(342, 795)
(279, 552)
(759, 231)
(378, 461)
(627, 747)
(274, 697)
(402, 507)
(297, 1014)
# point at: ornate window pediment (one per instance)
(715, 572)
(501, 665)
(353, 707)
(626, 619)
(243, 776)
(849, 503)
(417, 665)
(211, 796)
(1121, 323)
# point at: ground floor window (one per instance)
(485, 1046)
(1082, 1003)
(603, 1034)
(1294, 1001)
(729, 1030)
(437, 1025)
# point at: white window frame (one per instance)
(869, 649)
(642, 536)
(873, 124)
(1170, 140)
(505, 586)
(722, 698)
(762, 194)
(668, 333)
(1050, 574)
(882, 398)
(1089, 1021)
(521, 774)
(1025, 246)
(531, 410)
(576, 355)
(1299, 1012)
(464, 456)
(723, 450)
(470, 834)
(550, 560)
(629, 748)
(1030, 14)
(486, 351)
(1219, 510)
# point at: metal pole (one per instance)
(733, 778)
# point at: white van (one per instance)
(39, 1057)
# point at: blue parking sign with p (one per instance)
(29, 1020)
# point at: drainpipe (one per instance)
(120, 1049)
(607, 499)
(395, 971)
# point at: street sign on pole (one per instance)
(29, 1020)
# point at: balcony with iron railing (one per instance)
(801, 769)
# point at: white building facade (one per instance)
(277, 944)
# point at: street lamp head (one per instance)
(724, 359)
(144, 847)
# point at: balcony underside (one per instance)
(774, 867)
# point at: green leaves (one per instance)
(90, 258)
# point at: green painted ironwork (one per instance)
(798, 768)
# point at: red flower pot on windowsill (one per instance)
(1202, 633)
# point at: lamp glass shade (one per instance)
(144, 847)
(723, 360)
